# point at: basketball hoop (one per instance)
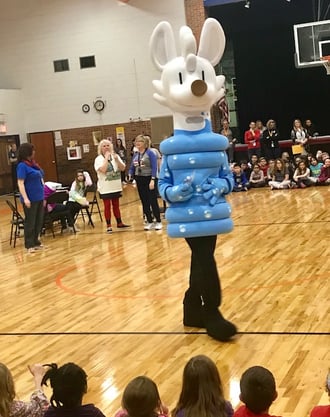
(326, 63)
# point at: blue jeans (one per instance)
(34, 218)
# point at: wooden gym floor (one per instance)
(113, 303)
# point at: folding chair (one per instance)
(94, 201)
(51, 217)
(17, 223)
(85, 210)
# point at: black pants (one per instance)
(204, 279)
(74, 208)
(148, 197)
(64, 215)
(34, 218)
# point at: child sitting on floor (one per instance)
(141, 399)
(258, 391)
(257, 178)
(69, 384)
(240, 179)
(202, 393)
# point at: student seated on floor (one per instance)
(240, 179)
(324, 178)
(280, 176)
(257, 178)
(69, 385)
(315, 169)
(258, 391)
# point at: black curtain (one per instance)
(268, 83)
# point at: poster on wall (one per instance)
(120, 134)
(97, 137)
(58, 138)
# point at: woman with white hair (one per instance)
(108, 166)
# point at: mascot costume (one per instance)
(195, 176)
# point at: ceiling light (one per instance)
(247, 4)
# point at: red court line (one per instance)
(74, 291)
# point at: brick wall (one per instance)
(66, 168)
(195, 16)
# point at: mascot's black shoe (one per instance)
(192, 311)
(218, 327)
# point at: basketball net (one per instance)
(326, 63)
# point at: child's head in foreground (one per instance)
(258, 389)
(141, 397)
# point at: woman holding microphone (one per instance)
(108, 166)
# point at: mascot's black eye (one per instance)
(203, 76)
(180, 78)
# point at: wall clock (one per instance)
(85, 108)
(99, 105)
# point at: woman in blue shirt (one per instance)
(30, 185)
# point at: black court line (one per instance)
(153, 333)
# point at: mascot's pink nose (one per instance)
(199, 88)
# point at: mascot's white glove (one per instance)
(181, 192)
(214, 189)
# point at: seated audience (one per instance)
(254, 160)
(10, 407)
(323, 410)
(141, 399)
(270, 170)
(69, 384)
(257, 178)
(319, 156)
(263, 165)
(280, 176)
(325, 155)
(301, 175)
(77, 194)
(289, 164)
(324, 178)
(240, 179)
(66, 219)
(258, 392)
(245, 168)
(202, 392)
(315, 169)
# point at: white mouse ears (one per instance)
(211, 46)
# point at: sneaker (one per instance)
(39, 247)
(158, 226)
(148, 226)
(109, 229)
(124, 182)
(31, 250)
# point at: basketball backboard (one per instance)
(312, 41)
